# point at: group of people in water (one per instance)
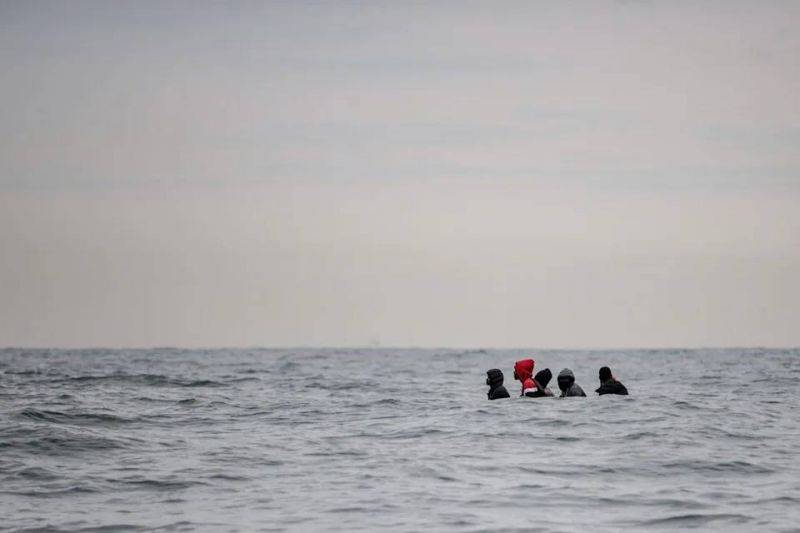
(535, 386)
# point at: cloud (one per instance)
(588, 174)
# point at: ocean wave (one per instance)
(26, 372)
(343, 385)
(375, 403)
(696, 520)
(55, 444)
(110, 528)
(188, 401)
(232, 380)
(57, 417)
(741, 467)
(53, 493)
(34, 473)
(157, 484)
(167, 401)
(151, 380)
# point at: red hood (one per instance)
(523, 369)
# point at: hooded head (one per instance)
(543, 377)
(523, 369)
(565, 379)
(494, 378)
(604, 374)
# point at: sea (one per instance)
(386, 439)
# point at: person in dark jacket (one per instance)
(541, 380)
(566, 382)
(494, 378)
(609, 384)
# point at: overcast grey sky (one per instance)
(542, 174)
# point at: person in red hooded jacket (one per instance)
(523, 372)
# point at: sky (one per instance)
(461, 174)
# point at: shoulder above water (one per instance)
(612, 386)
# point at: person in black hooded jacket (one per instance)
(541, 379)
(609, 384)
(566, 382)
(494, 378)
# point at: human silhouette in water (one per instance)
(566, 382)
(540, 381)
(523, 372)
(494, 378)
(609, 384)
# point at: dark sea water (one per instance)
(401, 440)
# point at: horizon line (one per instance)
(398, 347)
